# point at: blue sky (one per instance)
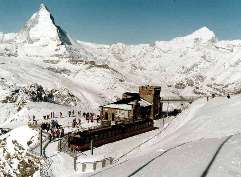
(129, 21)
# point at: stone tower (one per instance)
(152, 95)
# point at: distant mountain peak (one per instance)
(41, 28)
(203, 35)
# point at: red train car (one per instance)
(81, 141)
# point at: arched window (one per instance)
(106, 116)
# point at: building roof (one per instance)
(119, 106)
(133, 94)
(126, 103)
(144, 103)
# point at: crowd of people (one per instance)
(89, 117)
(54, 129)
(72, 113)
(52, 126)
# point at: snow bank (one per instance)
(189, 143)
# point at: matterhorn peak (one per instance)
(41, 29)
(43, 6)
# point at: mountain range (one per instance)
(42, 52)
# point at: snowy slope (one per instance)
(188, 144)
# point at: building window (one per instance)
(113, 117)
(106, 116)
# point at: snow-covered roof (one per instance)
(119, 106)
(144, 103)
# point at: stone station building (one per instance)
(133, 107)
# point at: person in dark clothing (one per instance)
(79, 113)
(74, 123)
(62, 132)
(58, 133)
(48, 127)
(98, 118)
(43, 126)
(228, 96)
(69, 113)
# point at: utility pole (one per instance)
(60, 145)
(167, 107)
(167, 114)
(91, 146)
(75, 160)
(163, 121)
(41, 141)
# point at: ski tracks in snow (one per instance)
(205, 172)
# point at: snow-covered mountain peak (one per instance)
(41, 29)
(43, 7)
(202, 35)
